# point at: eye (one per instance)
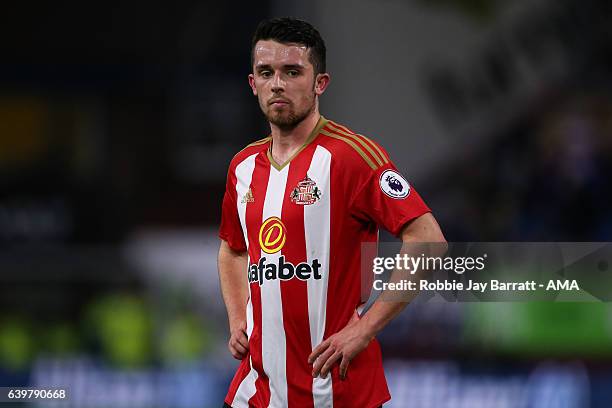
(265, 73)
(293, 73)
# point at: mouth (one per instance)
(278, 102)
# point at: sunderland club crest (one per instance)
(306, 192)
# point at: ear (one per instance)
(252, 84)
(321, 82)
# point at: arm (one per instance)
(422, 229)
(358, 333)
(234, 288)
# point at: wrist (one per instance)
(236, 322)
(368, 329)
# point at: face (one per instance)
(284, 82)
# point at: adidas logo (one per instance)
(248, 197)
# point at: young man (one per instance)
(297, 206)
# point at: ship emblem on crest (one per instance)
(306, 192)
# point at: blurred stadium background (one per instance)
(118, 121)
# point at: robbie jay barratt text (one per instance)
(493, 285)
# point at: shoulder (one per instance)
(249, 150)
(353, 149)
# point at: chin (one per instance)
(286, 120)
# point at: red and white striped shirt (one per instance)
(303, 224)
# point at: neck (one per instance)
(286, 141)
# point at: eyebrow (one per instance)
(293, 66)
(287, 66)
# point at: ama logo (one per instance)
(394, 185)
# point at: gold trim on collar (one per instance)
(380, 158)
(351, 143)
(315, 132)
(256, 143)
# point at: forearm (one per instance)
(420, 237)
(379, 315)
(389, 303)
(232, 277)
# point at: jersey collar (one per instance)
(315, 132)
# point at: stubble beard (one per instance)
(289, 120)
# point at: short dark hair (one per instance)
(291, 30)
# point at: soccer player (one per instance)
(297, 206)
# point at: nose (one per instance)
(278, 84)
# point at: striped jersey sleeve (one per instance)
(381, 194)
(231, 227)
(231, 230)
(387, 199)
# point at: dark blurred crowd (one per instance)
(545, 179)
